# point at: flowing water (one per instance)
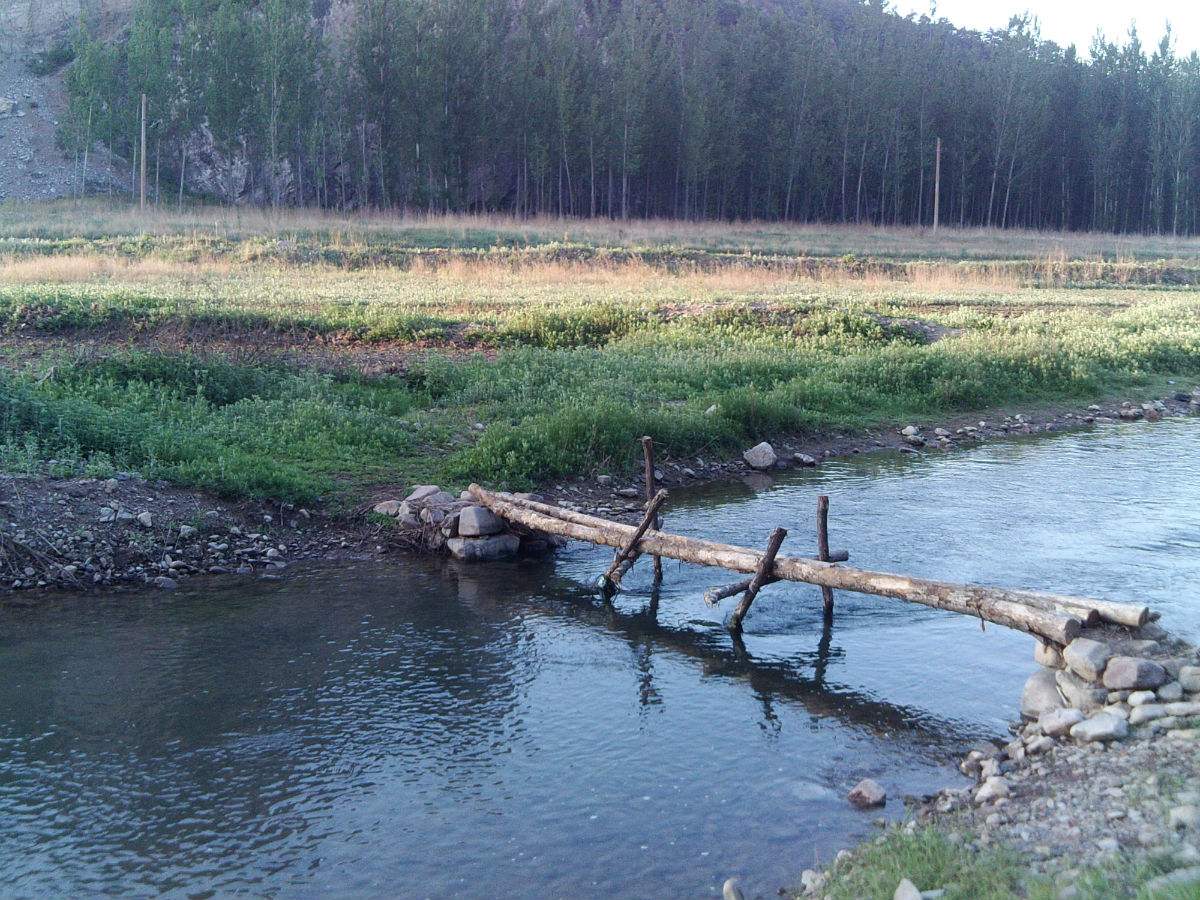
(427, 729)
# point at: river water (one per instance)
(427, 729)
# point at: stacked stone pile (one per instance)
(460, 526)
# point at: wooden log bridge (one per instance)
(1051, 617)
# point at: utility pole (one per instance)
(937, 184)
(143, 159)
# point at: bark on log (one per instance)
(1019, 609)
(823, 549)
(648, 453)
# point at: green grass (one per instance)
(565, 363)
(931, 861)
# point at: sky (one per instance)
(1075, 21)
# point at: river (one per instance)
(427, 729)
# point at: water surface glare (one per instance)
(433, 730)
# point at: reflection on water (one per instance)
(437, 730)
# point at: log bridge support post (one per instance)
(648, 453)
(823, 550)
(762, 577)
(627, 555)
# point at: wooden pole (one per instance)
(648, 453)
(611, 579)
(1047, 615)
(823, 550)
(937, 185)
(142, 192)
(762, 577)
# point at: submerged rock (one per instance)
(484, 549)
(867, 794)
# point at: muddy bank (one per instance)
(94, 533)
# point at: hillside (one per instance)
(32, 164)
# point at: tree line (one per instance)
(796, 110)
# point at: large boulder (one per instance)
(1057, 722)
(1101, 727)
(484, 549)
(1131, 673)
(761, 456)
(1040, 694)
(1079, 693)
(478, 521)
(1087, 658)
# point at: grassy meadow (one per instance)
(307, 357)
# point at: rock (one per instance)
(145, 519)
(1189, 679)
(804, 459)
(906, 890)
(478, 521)
(186, 531)
(1134, 673)
(484, 549)
(1102, 727)
(1040, 694)
(165, 583)
(1164, 883)
(1039, 745)
(1147, 712)
(761, 456)
(993, 788)
(730, 890)
(1057, 722)
(1184, 817)
(421, 491)
(1139, 698)
(910, 431)
(867, 794)
(711, 411)
(388, 508)
(914, 440)
(1047, 655)
(604, 480)
(1171, 692)
(1185, 709)
(1078, 692)
(630, 493)
(1087, 658)
(811, 881)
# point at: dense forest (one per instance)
(799, 110)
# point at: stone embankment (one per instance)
(1103, 769)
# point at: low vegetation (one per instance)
(933, 860)
(222, 356)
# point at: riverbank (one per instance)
(109, 530)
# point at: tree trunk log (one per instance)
(762, 576)
(1051, 616)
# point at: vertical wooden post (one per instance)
(651, 490)
(823, 549)
(761, 577)
(937, 185)
(142, 192)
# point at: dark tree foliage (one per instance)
(798, 110)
